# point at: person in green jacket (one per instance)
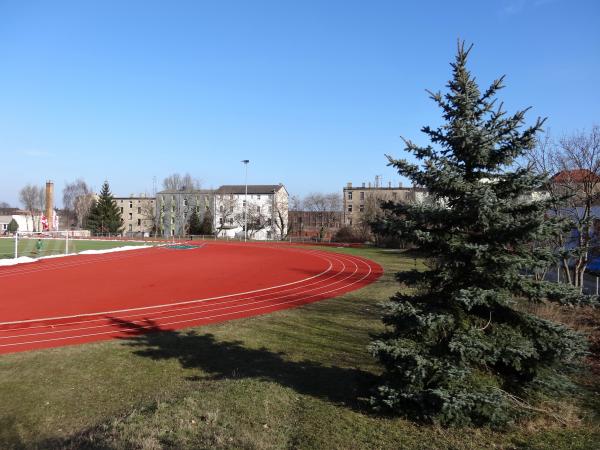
(38, 247)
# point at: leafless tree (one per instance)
(4, 205)
(178, 182)
(280, 218)
(296, 203)
(226, 207)
(327, 205)
(71, 192)
(257, 219)
(371, 209)
(81, 207)
(32, 198)
(573, 163)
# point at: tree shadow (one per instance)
(10, 437)
(231, 359)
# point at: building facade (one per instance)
(266, 212)
(363, 201)
(138, 214)
(315, 224)
(174, 209)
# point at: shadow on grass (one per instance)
(231, 359)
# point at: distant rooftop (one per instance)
(575, 176)
(252, 188)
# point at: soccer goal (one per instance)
(36, 244)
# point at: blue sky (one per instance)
(314, 93)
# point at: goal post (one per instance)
(36, 244)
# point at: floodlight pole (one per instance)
(246, 161)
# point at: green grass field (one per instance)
(27, 247)
(292, 379)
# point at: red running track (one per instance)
(86, 298)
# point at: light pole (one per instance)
(246, 161)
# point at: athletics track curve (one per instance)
(86, 298)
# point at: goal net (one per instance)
(36, 244)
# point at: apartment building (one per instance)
(174, 208)
(365, 199)
(266, 212)
(138, 213)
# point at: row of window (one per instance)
(361, 208)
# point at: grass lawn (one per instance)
(55, 246)
(292, 379)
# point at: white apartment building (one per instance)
(267, 211)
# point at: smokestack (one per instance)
(50, 203)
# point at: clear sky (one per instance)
(314, 93)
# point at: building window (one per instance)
(185, 202)
(121, 210)
(130, 204)
(258, 209)
(130, 227)
(230, 221)
(258, 197)
(362, 195)
(350, 195)
(350, 208)
(130, 216)
(361, 208)
(139, 209)
(139, 222)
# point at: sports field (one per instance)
(27, 247)
(84, 298)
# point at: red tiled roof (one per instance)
(577, 176)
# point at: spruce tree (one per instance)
(207, 223)
(458, 348)
(105, 216)
(194, 224)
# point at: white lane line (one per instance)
(118, 333)
(141, 308)
(214, 302)
(244, 300)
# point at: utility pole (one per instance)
(246, 161)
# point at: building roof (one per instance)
(13, 211)
(575, 176)
(252, 188)
(193, 191)
(135, 197)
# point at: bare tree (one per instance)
(178, 182)
(32, 198)
(573, 163)
(328, 205)
(257, 219)
(371, 209)
(71, 193)
(226, 207)
(4, 205)
(280, 217)
(81, 207)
